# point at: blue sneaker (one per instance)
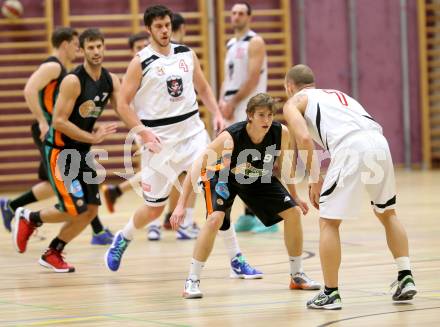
(113, 256)
(7, 213)
(241, 269)
(245, 223)
(189, 232)
(259, 228)
(103, 238)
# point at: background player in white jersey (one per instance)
(245, 71)
(360, 159)
(161, 82)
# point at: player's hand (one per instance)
(103, 131)
(227, 109)
(178, 216)
(218, 122)
(302, 205)
(315, 193)
(150, 140)
(44, 128)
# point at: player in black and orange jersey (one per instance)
(41, 92)
(82, 97)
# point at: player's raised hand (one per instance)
(103, 131)
(178, 216)
(150, 140)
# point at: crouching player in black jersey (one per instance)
(240, 162)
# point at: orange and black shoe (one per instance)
(111, 194)
(300, 281)
(54, 260)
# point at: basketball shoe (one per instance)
(54, 260)
(192, 290)
(406, 289)
(326, 302)
(23, 229)
(300, 281)
(110, 195)
(7, 213)
(103, 238)
(114, 253)
(241, 269)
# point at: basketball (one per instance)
(12, 9)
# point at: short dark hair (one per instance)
(62, 34)
(261, 100)
(137, 37)
(90, 34)
(176, 21)
(154, 12)
(248, 6)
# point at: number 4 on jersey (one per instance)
(340, 96)
(183, 65)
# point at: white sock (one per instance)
(230, 240)
(128, 230)
(195, 269)
(156, 222)
(296, 265)
(188, 217)
(402, 263)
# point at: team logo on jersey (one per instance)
(88, 109)
(175, 86)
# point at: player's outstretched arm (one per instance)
(293, 113)
(287, 161)
(221, 145)
(204, 90)
(38, 80)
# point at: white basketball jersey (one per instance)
(167, 92)
(236, 67)
(331, 116)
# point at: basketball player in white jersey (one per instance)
(160, 83)
(245, 71)
(360, 158)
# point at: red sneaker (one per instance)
(53, 259)
(109, 196)
(23, 230)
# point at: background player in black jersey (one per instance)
(83, 96)
(41, 92)
(243, 156)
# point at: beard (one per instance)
(160, 42)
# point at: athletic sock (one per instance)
(295, 265)
(188, 221)
(23, 200)
(128, 230)
(97, 226)
(35, 218)
(57, 244)
(329, 290)
(230, 240)
(195, 269)
(403, 267)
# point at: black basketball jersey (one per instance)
(88, 107)
(49, 93)
(252, 160)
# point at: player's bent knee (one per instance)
(215, 220)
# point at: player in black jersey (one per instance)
(244, 155)
(41, 92)
(83, 96)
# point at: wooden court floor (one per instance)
(147, 289)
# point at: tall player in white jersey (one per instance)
(245, 71)
(160, 83)
(360, 159)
